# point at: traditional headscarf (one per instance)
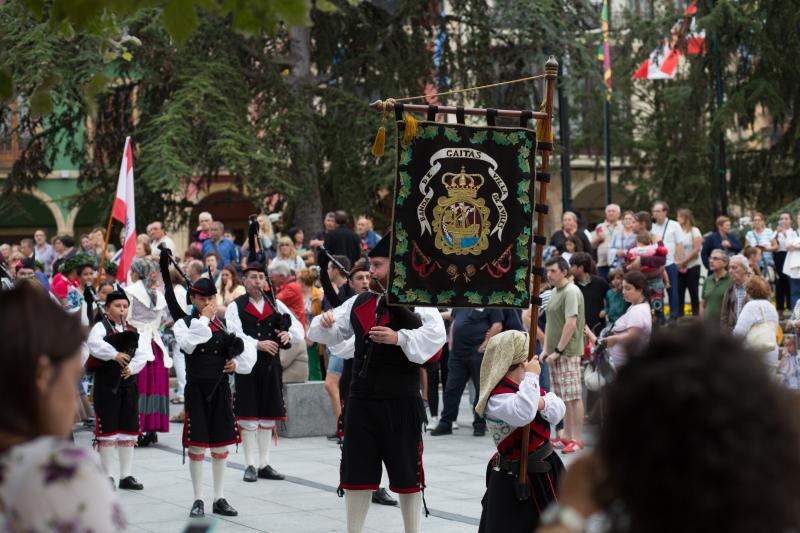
(504, 350)
(147, 270)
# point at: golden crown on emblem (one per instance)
(462, 184)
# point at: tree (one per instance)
(673, 125)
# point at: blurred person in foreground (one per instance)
(731, 462)
(48, 484)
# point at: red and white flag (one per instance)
(661, 65)
(125, 211)
(663, 61)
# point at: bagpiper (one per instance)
(116, 353)
(266, 324)
(383, 420)
(211, 352)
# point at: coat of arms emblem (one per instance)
(461, 219)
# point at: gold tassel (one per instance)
(410, 130)
(540, 129)
(379, 143)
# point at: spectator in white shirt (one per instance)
(668, 232)
(158, 235)
(784, 235)
(603, 234)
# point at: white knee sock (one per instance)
(196, 471)
(264, 443)
(249, 443)
(357, 503)
(125, 460)
(218, 470)
(411, 507)
(107, 456)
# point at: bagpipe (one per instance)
(233, 345)
(123, 341)
(283, 321)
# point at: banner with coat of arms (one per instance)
(462, 216)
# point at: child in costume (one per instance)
(510, 399)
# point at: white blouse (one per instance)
(519, 409)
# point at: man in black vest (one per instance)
(383, 419)
(255, 317)
(211, 353)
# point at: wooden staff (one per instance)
(382, 105)
(551, 71)
(102, 267)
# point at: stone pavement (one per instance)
(306, 502)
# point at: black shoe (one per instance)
(130, 483)
(223, 507)
(382, 497)
(479, 431)
(143, 441)
(153, 437)
(333, 436)
(250, 474)
(198, 509)
(269, 473)
(442, 429)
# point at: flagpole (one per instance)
(537, 234)
(102, 268)
(607, 146)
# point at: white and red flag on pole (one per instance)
(663, 61)
(125, 211)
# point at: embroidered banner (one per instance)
(462, 217)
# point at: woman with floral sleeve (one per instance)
(46, 483)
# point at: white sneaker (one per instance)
(455, 425)
(434, 421)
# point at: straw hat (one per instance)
(504, 350)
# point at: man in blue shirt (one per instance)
(470, 332)
(218, 244)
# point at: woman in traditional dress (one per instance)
(510, 399)
(147, 310)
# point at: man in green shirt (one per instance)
(716, 283)
(563, 347)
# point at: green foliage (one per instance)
(452, 134)
(445, 297)
(501, 297)
(668, 130)
(473, 297)
(479, 137)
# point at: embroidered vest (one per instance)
(261, 326)
(206, 362)
(508, 438)
(389, 374)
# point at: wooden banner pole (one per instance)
(551, 70)
(102, 267)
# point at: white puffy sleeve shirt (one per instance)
(520, 408)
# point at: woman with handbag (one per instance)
(632, 328)
(758, 322)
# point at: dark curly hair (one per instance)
(699, 438)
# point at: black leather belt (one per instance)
(536, 461)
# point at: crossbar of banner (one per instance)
(388, 105)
